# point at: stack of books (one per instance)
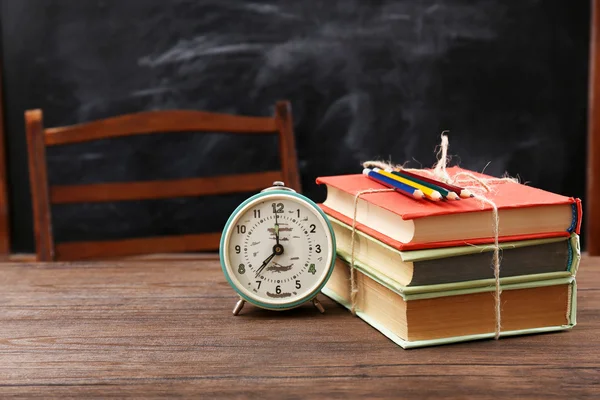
(423, 268)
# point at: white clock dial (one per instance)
(278, 250)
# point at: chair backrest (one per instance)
(149, 122)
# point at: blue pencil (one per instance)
(391, 183)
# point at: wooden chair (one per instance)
(44, 195)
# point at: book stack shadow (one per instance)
(424, 271)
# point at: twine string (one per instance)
(353, 286)
(439, 170)
(569, 301)
(495, 264)
(464, 179)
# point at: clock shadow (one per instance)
(307, 310)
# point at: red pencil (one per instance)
(462, 192)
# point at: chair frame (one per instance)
(148, 122)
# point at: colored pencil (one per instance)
(428, 192)
(464, 193)
(391, 183)
(448, 194)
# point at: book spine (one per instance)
(574, 255)
(577, 217)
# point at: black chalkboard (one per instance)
(374, 79)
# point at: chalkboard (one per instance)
(376, 79)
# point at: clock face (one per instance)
(278, 250)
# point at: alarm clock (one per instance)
(277, 250)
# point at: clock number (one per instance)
(278, 289)
(312, 269)
(256, 213)
(298, 210)
(242, 269)
(312, 228)
(241, 228)
(258, 283)
(318, 248)
(238, 249)
(298, 285)
(277, 208)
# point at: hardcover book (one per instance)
(537, 259)
(405, 223)
(455, 314)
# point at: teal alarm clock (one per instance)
(277, 250)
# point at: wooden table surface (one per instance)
(159, 328)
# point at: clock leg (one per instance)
(318, 305)
(238, 306)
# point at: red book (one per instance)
(408, 224)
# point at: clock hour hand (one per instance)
(264, 264)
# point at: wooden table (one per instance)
(152, 329)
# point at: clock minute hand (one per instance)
(264, 264)
(276, 229)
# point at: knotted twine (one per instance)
(468, 181)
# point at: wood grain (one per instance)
(287, 145)
(157, 122)
(154, 329)
(592, 214)
(191, 187)
(38, 177)
(102, 249)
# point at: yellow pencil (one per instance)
(427, 191)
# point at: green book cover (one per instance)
(374, 256)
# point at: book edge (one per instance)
(395, 244)
(405, 344)
(574, 202)
(445, 252)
